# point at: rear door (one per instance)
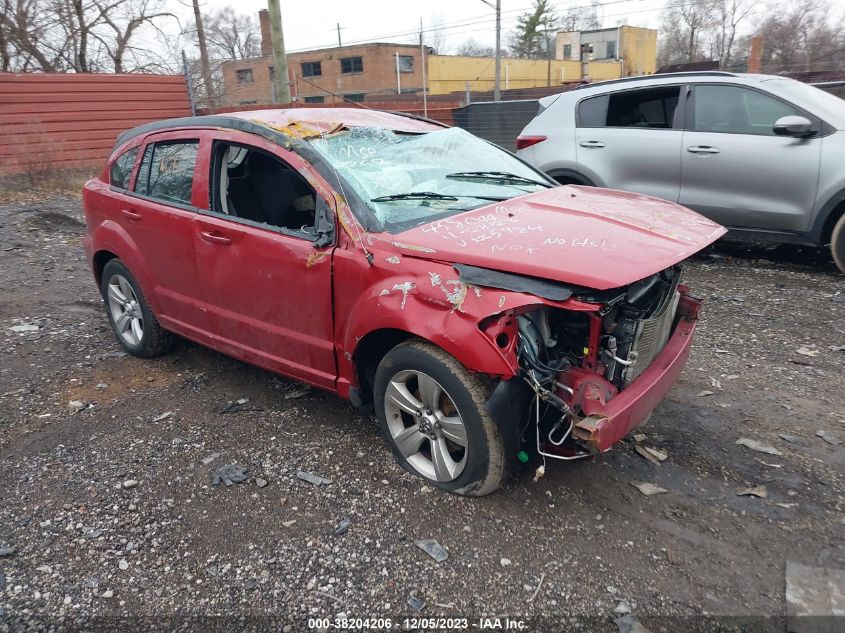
(631, 140)
(268, 285)
(736, 171)
(158, 213)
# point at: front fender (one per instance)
(426, 299)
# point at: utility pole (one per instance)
(497, 93)
(339, 27)
(281, 84)
(205, 67)
(422, 63)
(398, 80)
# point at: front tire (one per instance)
(837, 244)
(431, 410)
(132, 321)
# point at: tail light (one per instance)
(527, 141)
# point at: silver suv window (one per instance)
(652, 108)
(737, 110)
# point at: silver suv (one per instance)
(762, 155)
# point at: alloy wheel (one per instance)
(125, 310)
(426, 426)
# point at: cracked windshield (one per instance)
(409, 179)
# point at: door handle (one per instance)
(212, 237)
(132, 214)
(703, 149)
(593, 144)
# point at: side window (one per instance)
(257, 186)
(167, 171)
(648, 108)
(121, 168)
(592, 112)
(737, 110)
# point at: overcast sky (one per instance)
(311, 24)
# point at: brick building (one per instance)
(327, 75)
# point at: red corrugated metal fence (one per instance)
(72, 120)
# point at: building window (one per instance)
(357, 97)
(611, 50)
(312, 69)
(350, 65)
(248, 102)
(567, 51)
(317, 99)
(406, 64)
(272, 73)
(244, 76)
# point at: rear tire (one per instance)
(837, 243)
(131, 318)
(418, 386)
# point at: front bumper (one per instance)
(609, 423)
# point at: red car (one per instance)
(484, 312)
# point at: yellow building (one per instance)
(635, 47)
(453, 73)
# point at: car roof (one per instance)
(601, 87)
(296, 123)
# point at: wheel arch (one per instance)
(827, 218)
(570, 177)
(98, 263)
(111, 241)
(368, 354)
(371, 348)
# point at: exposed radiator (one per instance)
(652, 334)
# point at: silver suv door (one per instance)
(631, 139)
(736, 171)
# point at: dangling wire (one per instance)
(361, 233)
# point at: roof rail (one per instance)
(699, 73)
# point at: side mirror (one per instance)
(798, 126)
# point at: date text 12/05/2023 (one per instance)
(486, 623)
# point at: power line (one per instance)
(446, 26)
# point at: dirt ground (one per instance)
(113, 519)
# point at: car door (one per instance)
(266, 279)
(631, 140)
(736, 171)
(158, 214)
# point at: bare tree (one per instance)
(473, 48)
(729, 15)
(231, 35)
(582, 18)
(77, 35)
(800, 36)
(686, 25)
(436, 36)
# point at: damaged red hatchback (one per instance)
(407, 266)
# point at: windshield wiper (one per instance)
(413, 195)
(501, 176)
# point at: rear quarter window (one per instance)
(121, 169)
(592, 112)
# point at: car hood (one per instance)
(596, 238)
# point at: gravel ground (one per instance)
(108, 515)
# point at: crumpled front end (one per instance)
(599, 363)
